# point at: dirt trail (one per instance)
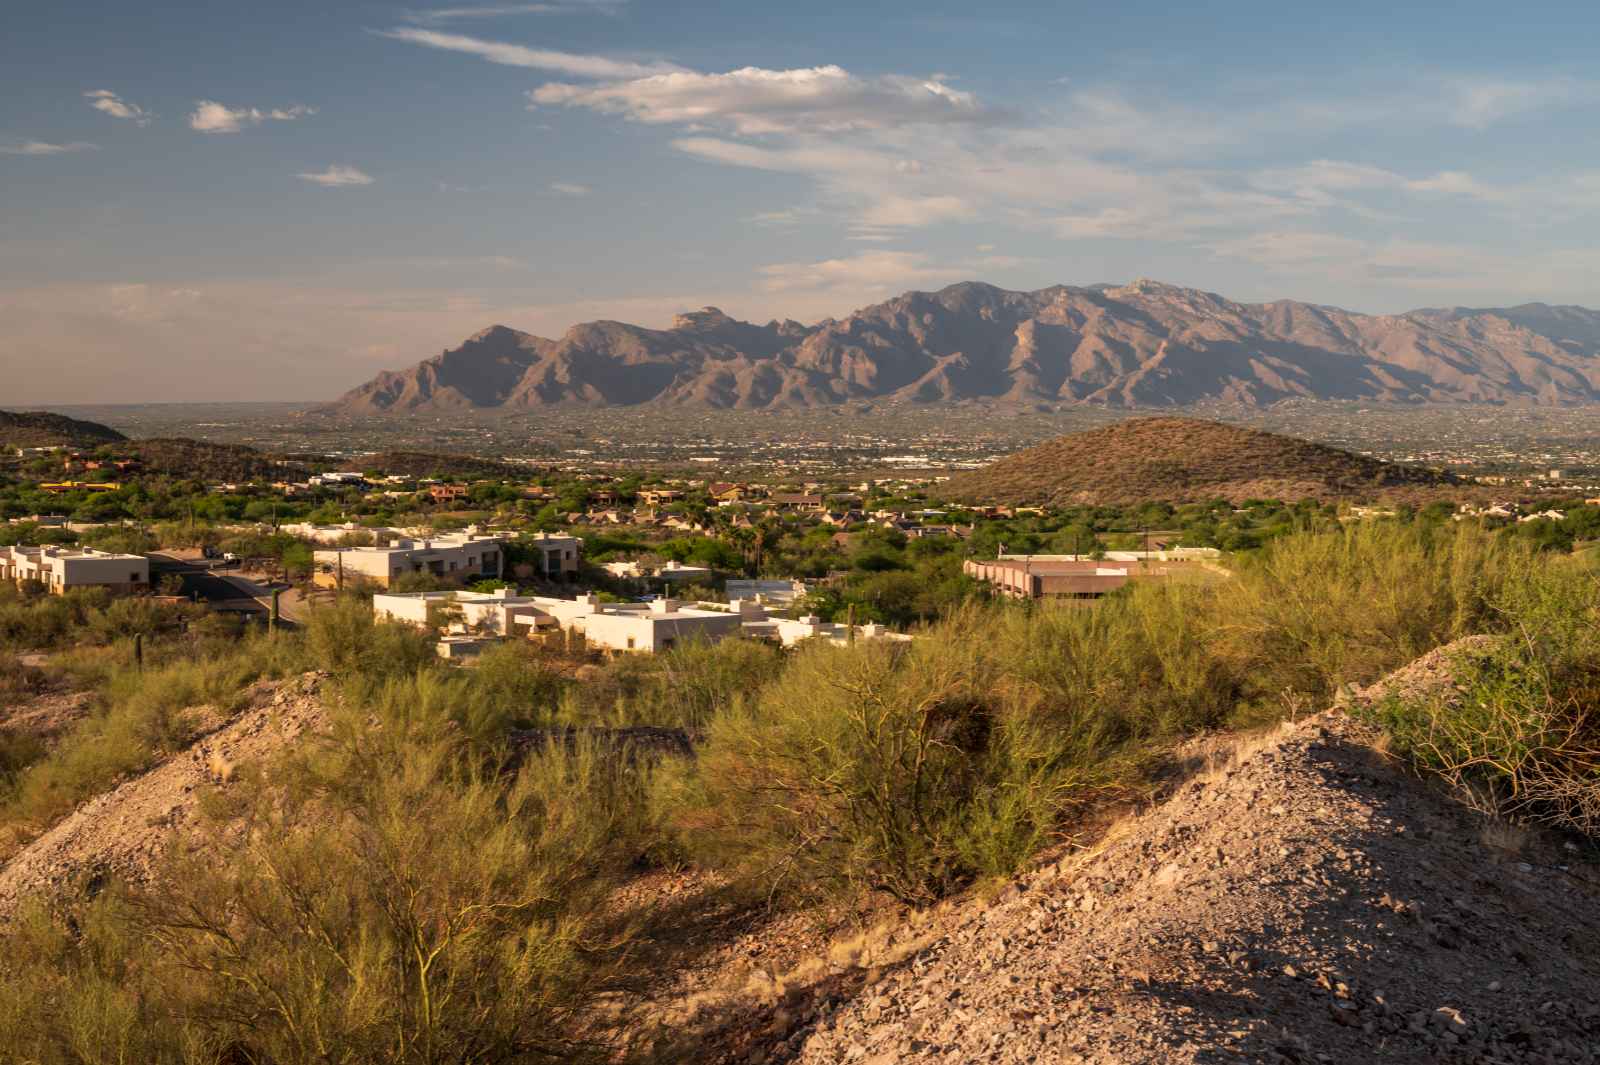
(1309, 903)
(124, 831)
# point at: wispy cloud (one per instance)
(871, 273)
(487, 11)
(517, 55)
(45, 148)
(570, 189)
(209, 116)
(753, 100)
(108, 102)
(337, 177)
(1482, 102)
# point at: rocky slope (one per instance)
(1139, 345)
(126, 831)
(1179, 459)
(1306, 903)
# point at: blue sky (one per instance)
(245, 201)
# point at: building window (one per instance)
(630, 643)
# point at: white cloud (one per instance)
(108, 102)
(568, 188)
(1327, 182)
(337, 177)
(516, 55)
(869, 274)
(212, 117)
(556, 7)
(45, 148)
(753, 100)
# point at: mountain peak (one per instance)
(704, 318)
(492, 331)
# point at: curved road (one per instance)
(204, 580)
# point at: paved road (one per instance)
(209, 582)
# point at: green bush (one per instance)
(1519, 731)
(908, 769)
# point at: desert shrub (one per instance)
(80, 989)
(1320, 609)
(516, 683)
(343, 638)
(680, 688)
(398, 905)
(33, 622)
(87, 615)
(1519, 731)
(907, 769)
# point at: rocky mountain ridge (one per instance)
(1146, 344)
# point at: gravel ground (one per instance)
(1307, 904)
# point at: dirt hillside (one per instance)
(1185, 460)
(125, 830)
(1306, 904)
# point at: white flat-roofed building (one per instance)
(647, 628)
(464, 557)
(777, 592)
(492, 613)
(790, 631)
(332, 534)
(677, 571)
(652, 627)
(60, 569)
(554, 555)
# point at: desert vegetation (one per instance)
(429, 879)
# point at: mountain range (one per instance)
(1145, 344)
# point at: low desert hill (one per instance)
(38, 428)
(211, 461)
(1145, 344)
(1179, 460)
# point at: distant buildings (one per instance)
(61, 569)
(651, 627)
(463, 556)
(332, 534)
(448, 493)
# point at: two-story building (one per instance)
(555, 556)
(463, 556)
